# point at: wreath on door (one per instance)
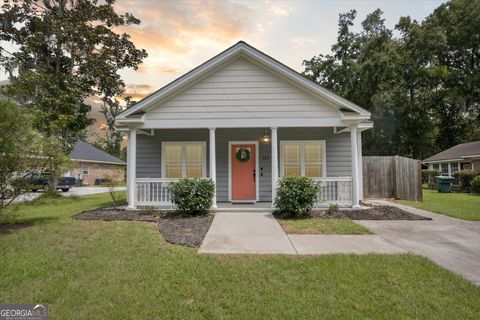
(243, 154)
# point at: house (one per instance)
(464, 156)
(243, 119)
(90, 164)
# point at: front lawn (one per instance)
(322, 226)
(125, 270)
(459, 205)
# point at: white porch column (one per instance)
(355, 171)
(213, 167)
(360, 165)
(274, 163)
(131, 167)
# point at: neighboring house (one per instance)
(90, 163)
(465, 156)
(243, 119)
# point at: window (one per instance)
(183, 160)
(435, 166)
(303, 158)
(444, 168)
(85, 170)
(454, 167)
(467, 166)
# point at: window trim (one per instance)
(83, 170)
(302, 155)
(203, 144)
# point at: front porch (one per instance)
(160, 156)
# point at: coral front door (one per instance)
(243, 157)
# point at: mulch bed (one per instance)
(374, 213)
(175, 228)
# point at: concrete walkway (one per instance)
(260, 233)
(450, 242)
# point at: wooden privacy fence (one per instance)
(392, 177)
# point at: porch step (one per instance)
(243, 209)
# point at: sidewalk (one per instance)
(260, 233)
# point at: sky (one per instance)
(180, 35)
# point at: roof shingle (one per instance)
(457, 152)
(85, 151)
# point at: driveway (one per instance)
(77, 191)
(450, 242)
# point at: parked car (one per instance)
(40, 181)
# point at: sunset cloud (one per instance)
(301, 41)
(278, 9)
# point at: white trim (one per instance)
(240, 49)
(131, 168)
(94, 161)
(183, 143)
(471, 156)
(441, 161)
(241, 123)
(274, 156)
(355, 169)
(360, 165)
(213, 161)
(257, 172)
(302, 155)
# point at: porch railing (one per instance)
(334, 190)
(153, 192)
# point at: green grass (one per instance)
(322, 226)
(125, 270)
(459, 205)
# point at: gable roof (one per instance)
(86, 152)
(241, 48)
(458, 152)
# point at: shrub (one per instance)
(296, 196)
(333, 208)
(464, 178)
(475, 184)
(428, 176)
(193, 196)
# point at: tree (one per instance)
(21, 150)
(67, 51)
(413, 83)
(111, 142)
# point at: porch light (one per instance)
(266, 137)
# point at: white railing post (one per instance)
(131, 167)
(355, 170)
(274, 164)
(213, 167)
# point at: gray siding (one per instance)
(241, 87)
(149, 152)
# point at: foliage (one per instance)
(20, 150)
(464, 177)
(296, 196)
(428, 177)
(419, 81)
(67, 51)
(475, 184)
(193, 196)
(333, 208)
(115, 193)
